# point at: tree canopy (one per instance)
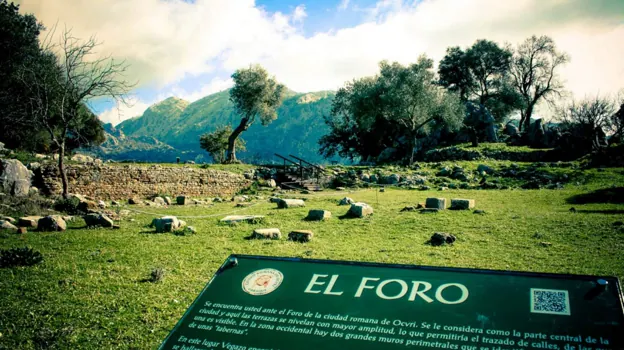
(255, 95)
(390, 110)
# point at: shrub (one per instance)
(22, 206)
(19, 257)
(69, 206)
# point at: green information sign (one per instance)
(281, 303)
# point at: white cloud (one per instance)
(168, 40)
(344, 4)
(299, 14)
(214, 86)
(122, 112)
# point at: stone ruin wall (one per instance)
(120, 182)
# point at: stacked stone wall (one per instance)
(109, 182)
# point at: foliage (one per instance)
(70, 205)
(23, 206)
(216, 143)
(584, 124)
(498, 151)
(19, 257)
(254, 95)
(392, 109)
(19, 46)
(481, 75)
(534, 74)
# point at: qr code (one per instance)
(550, 301)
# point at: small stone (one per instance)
(168, 200)
(437, 203)
(181, 200)
(429, 210)
(159, 201)
(382, 189)
(116, 227)
(545, 244)
(318, 215)
(133, 201)
(102, 204)
(424, 188)
(272, 183)
(266, 233)
(290, 203)
(462, 204)
(420, 205)
(115, 203)
(440, 238)
(51, 223)
(346, 201)
(360, 210)
(301, 236)
(340, 189)
(572, 210)
(243, 205)
(479, 212)
(408, 209)
(443, 188)
(22, 230)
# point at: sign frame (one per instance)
(232, 260)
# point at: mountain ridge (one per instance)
(171, 128)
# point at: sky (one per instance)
(190, 48)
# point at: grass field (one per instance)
(90, 291)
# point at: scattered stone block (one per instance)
(29, 221)
(346, 201)
(429, 210)
(115, 203)
(243, 205)
(271, 183)
(412, 208)
(101, 204)
(440, 238)
(360, 210)
(88, 205)
(318, 215)
(166, 224)
(420, 205)
(274, 200)
(159, 201)
(234, 219)
(437, 203)
(133, 201)
(301, 236)
(462, 204)
(181, 200)
(340, 188)
(290, 203)
(22, 230)
(51, 223)
(94, 220)
(266, 233)
(167, 200)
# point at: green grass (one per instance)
(89, 291)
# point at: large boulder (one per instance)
(94, 220)
(51, 223)
(537, 134)
(28, 221)
(166, 224)
(360, 210)
(272, 183)
(181, 200)
(393, 179)
(7, 218)
(290, 203)
(15, 178)
(435, 203)
(318, 215)
(511, 130)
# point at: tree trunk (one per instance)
(231, 152)
(527, 118)
(475, 138)
(62, 170)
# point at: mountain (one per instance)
(171, 128)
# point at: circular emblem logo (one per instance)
(262, 282)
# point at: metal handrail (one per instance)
(310, 164)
